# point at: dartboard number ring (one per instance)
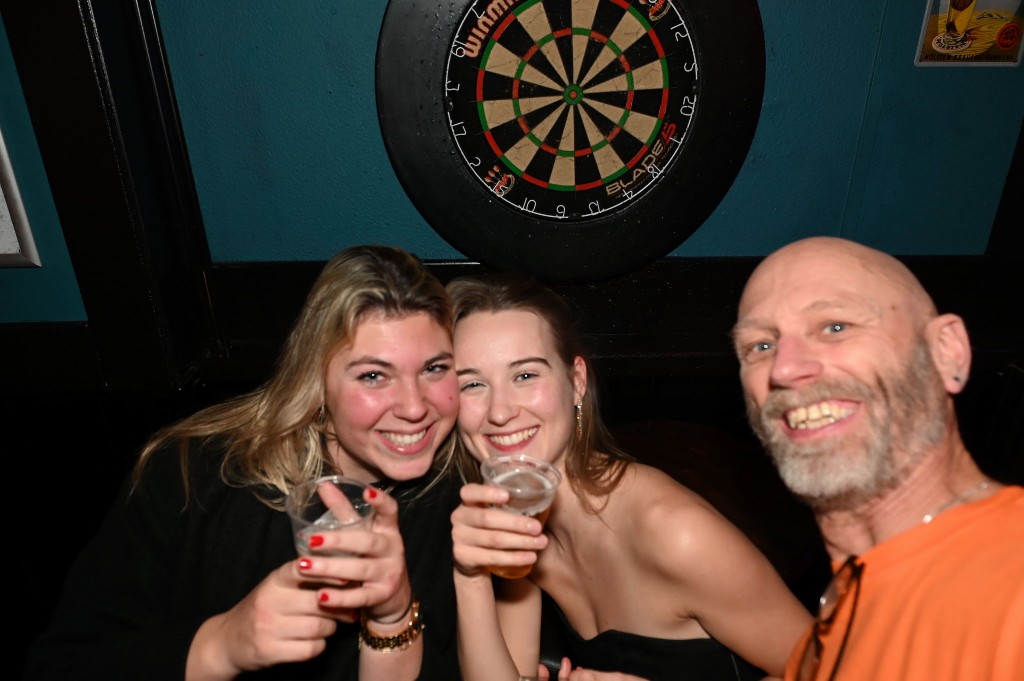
(570, 110)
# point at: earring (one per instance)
(321, 415)
(579, 420)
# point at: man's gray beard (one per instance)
(905, 419)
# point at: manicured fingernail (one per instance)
(324, 597)
(316, 540)
(305, 563)
(372, 493)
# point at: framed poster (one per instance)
(17, 248)
(971, 33)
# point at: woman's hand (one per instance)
(291, 613)
(483, 536)
(374, 578)
(566, 672)
(278, 621)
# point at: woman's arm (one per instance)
(373, 586)
(392, 644)
(498, 620)
(283, 620)
(729, 586)
(277, 622)
(498, 637)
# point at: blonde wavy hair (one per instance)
(275, 435)
(594, 464)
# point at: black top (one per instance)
(656, 659)
(156, 570)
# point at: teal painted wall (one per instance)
(278, 105)
(277, 101)
(48, 292)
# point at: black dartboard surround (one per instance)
(574, 140)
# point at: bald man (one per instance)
(849, 374)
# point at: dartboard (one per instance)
(571, 139)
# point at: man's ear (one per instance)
(951, 350)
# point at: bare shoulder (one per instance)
(645, 486)
(660, 512)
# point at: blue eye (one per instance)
(835, 327)
(371, 377)
(439, 368)
(753, 351)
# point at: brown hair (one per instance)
(594, 464)
(274, 436)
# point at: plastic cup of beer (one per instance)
(531, 484)
(328, 503)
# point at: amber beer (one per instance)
(958, 17)
(531, 484)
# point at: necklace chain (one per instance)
(963, 496)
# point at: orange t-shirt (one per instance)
(939, 602)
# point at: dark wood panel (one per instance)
(103, 111)
(672, 317)
(47, 357)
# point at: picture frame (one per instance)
(969, 33)
(17, 246)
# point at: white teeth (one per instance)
(404, 440)
(816, 416)
(513, 439)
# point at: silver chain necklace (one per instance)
(963, 496)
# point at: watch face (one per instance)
(571, 110)
(571, 139)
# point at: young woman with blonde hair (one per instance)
(194, 574)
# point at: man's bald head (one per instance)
(844, 262)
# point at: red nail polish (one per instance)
(316, 540)
(372, 493)
(324, 597)
(305, 563)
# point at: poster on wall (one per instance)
(17, 248)
(971, 33)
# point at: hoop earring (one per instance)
(579, 420)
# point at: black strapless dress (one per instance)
(656, 659)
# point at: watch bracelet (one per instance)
(390, 644)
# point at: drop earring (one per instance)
(579, 420)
